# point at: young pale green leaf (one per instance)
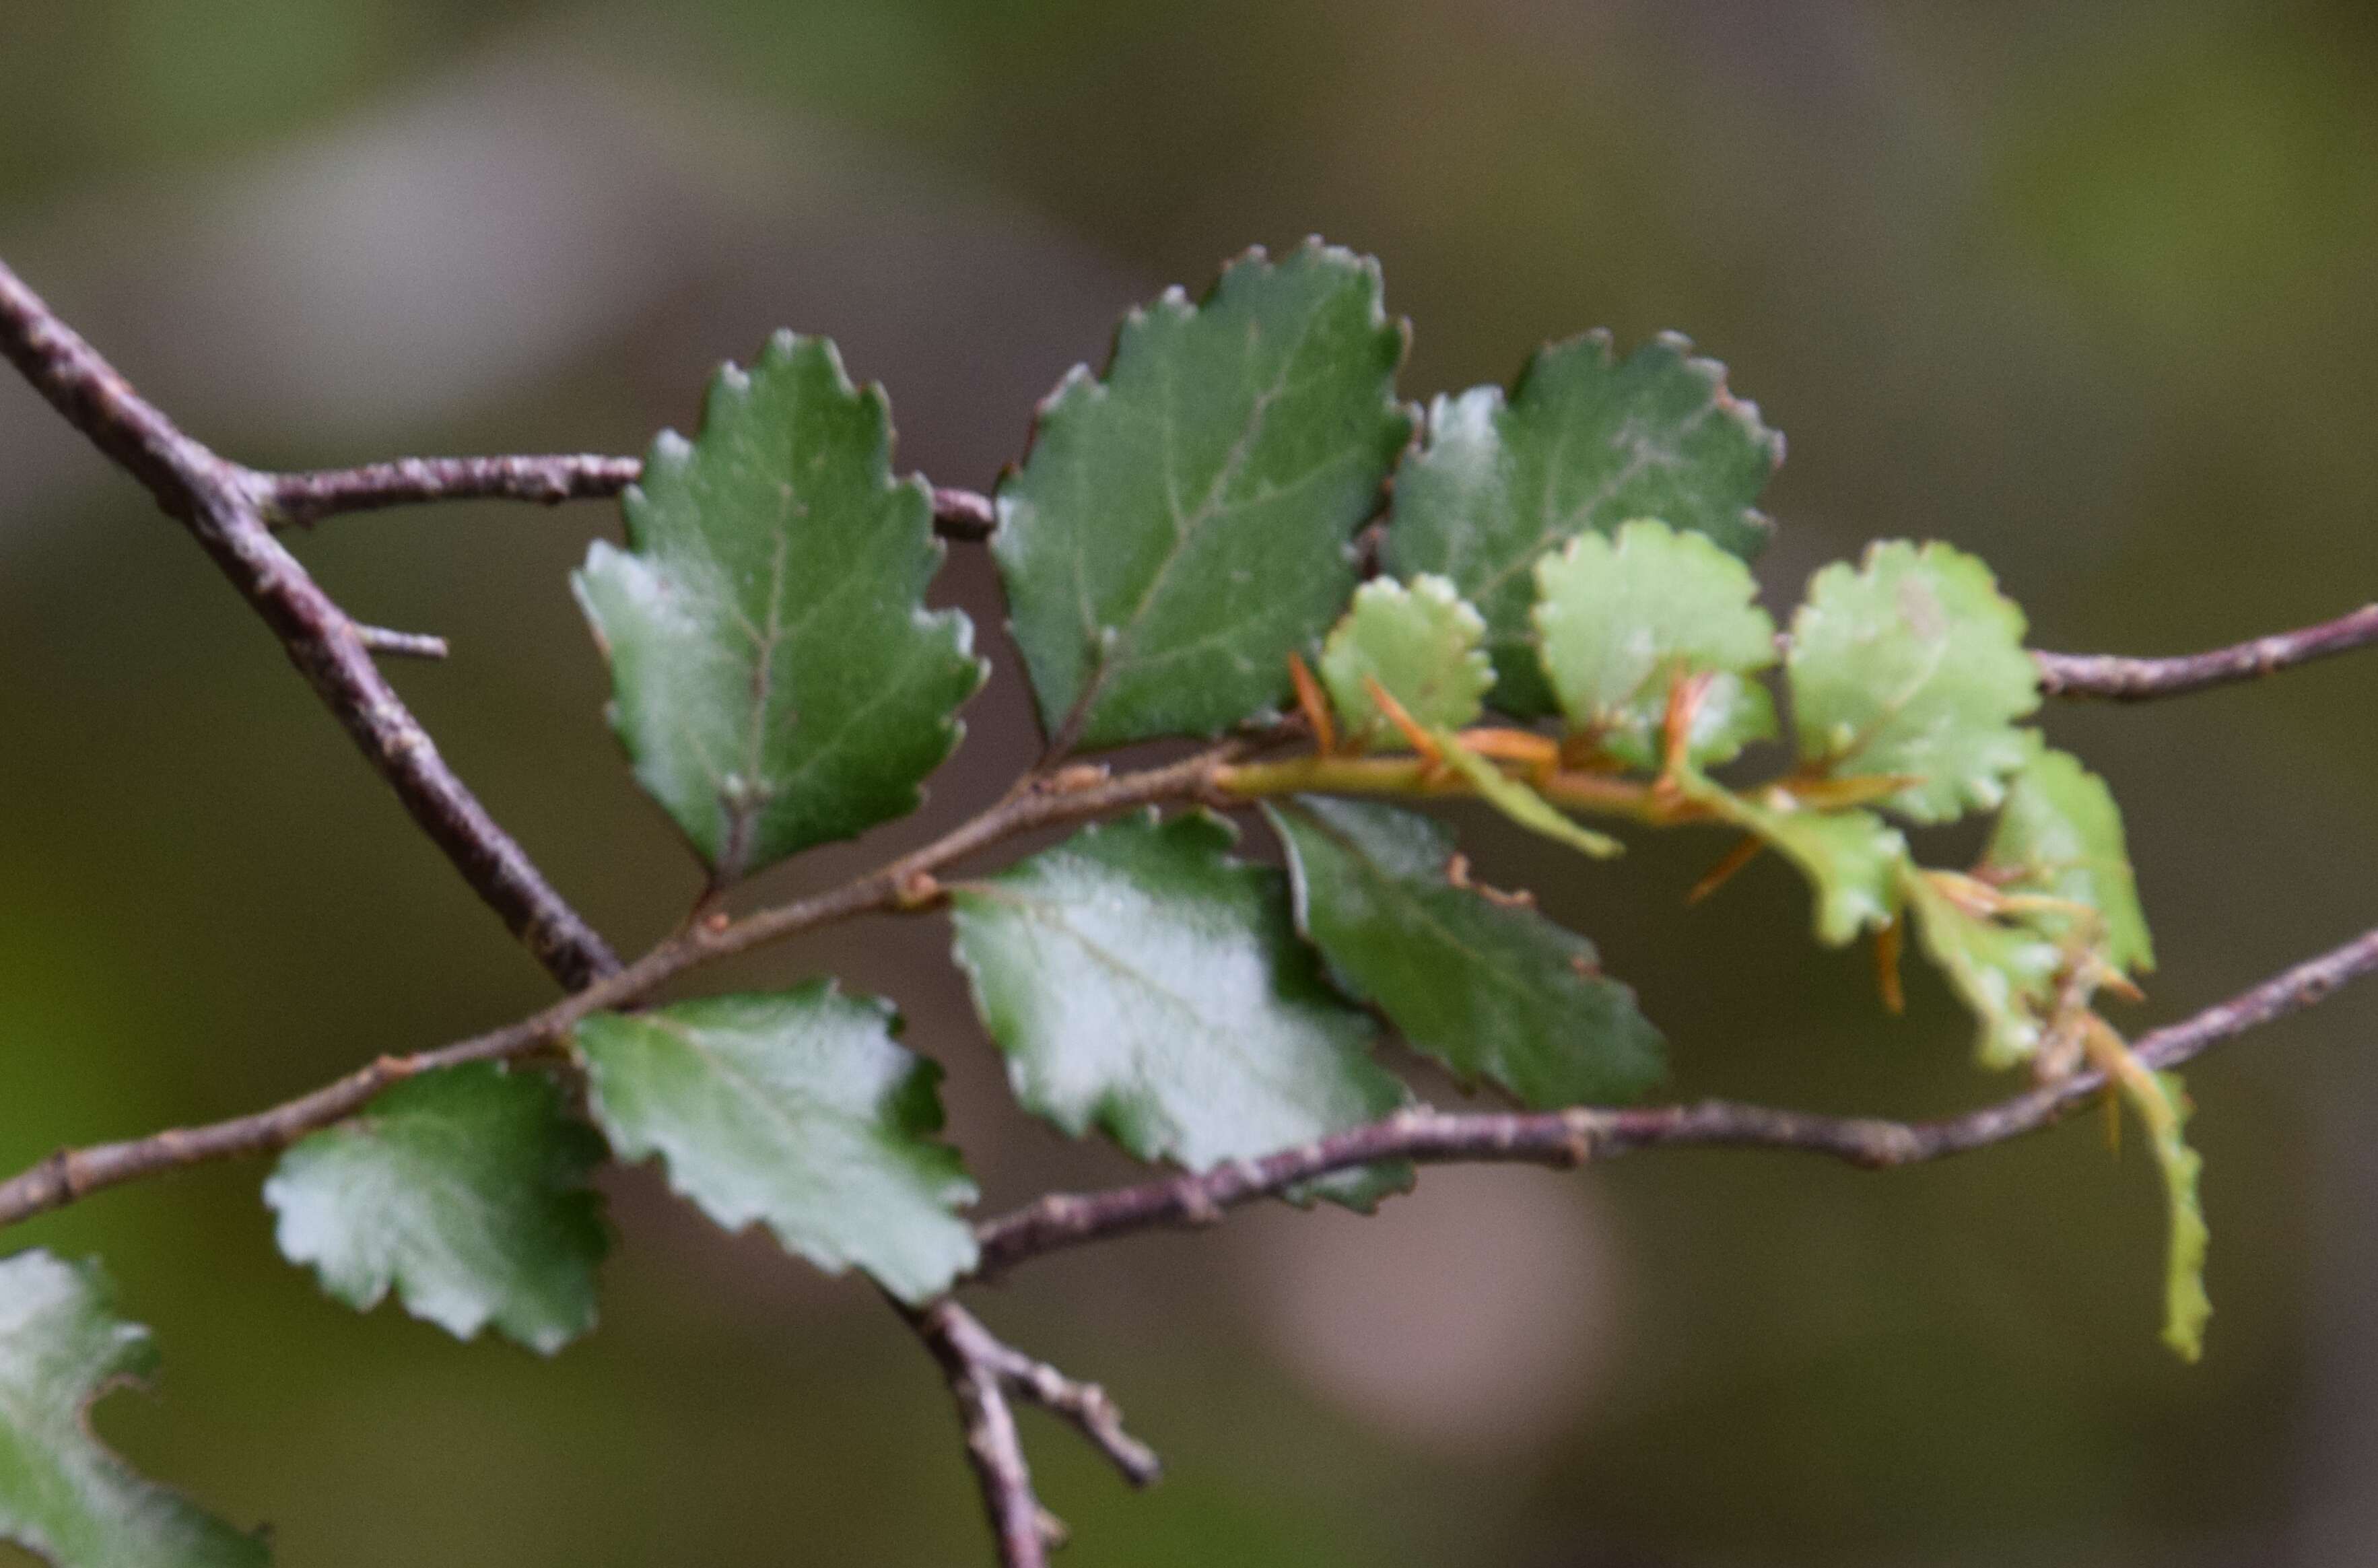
(1585, 442)
(1621, 618)
(1519, 803)
(63, 1497)
(2003, 971)
(1852, 859)
(2161, 1102)
(1492, 990)
(1421, 643)
(795, 1109)
(464, 1191)
(1181, 527)
(777, 681)
(1913, 664)
(1142, 981)
(2061, 836)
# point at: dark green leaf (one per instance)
(1913, 664)
(1183, 525)
(778, 682)
(795, 1109)
(2061, 836)
(1490, 989)
(1622, 619)
(465, 1190)
(1421, 644)
(1585, 442)
(63, 1497)
(1141, 980)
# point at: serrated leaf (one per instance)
(2160, 1102)
(795, 1109)
(1493, 990)
(1522, 804)
(1621, 618)
(1852, 859)
(1181, 526)
(1143, 982)
(2003, 971)
(463, 1190)
(1913, 664)
(1584, 443)
(777, 681)
(2061, 835)
(64, 1497)
(1421, 643)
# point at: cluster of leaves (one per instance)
(1185, 541)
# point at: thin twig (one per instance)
(306, 499)
(2137, 680)
(1092, 1412)
(971, 516)
(222, 503)
(402, 644)
(1569, 1137)
(72, 1174)
(969, 1356)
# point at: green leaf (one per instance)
(2061, 835)
(1421, 644)
(63, 1497)
(1183, 525)
(1852, 860)
(1621, 618)
(1142, 981)
(1492, 990)
(2003, 971)
(795, 1109)
(1913, 664)
(464, 1191)
(778, 681)
(1519, 803)
(2161, 1101)
(1584, 443)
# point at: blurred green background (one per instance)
(2085, 287)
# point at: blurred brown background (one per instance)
(2085, 287)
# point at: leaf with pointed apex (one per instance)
(1421, 643)
(1584, 442)
(1142, 981)
(2003, 971)
(2161, 1101)
(1619, 619)
(1852, 859)
(778, 681)
(1912, 662)
(1522, 804)
(1181, 526)
(799, 1109)
(2060, 834)
(64, 1497)
(1490, 989)
(463, 1190)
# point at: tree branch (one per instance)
(220, 503)
(2137, 680)
(969, 1356)
(971, 515)
(306, 499)
(1570, 1137)
(904, 885)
